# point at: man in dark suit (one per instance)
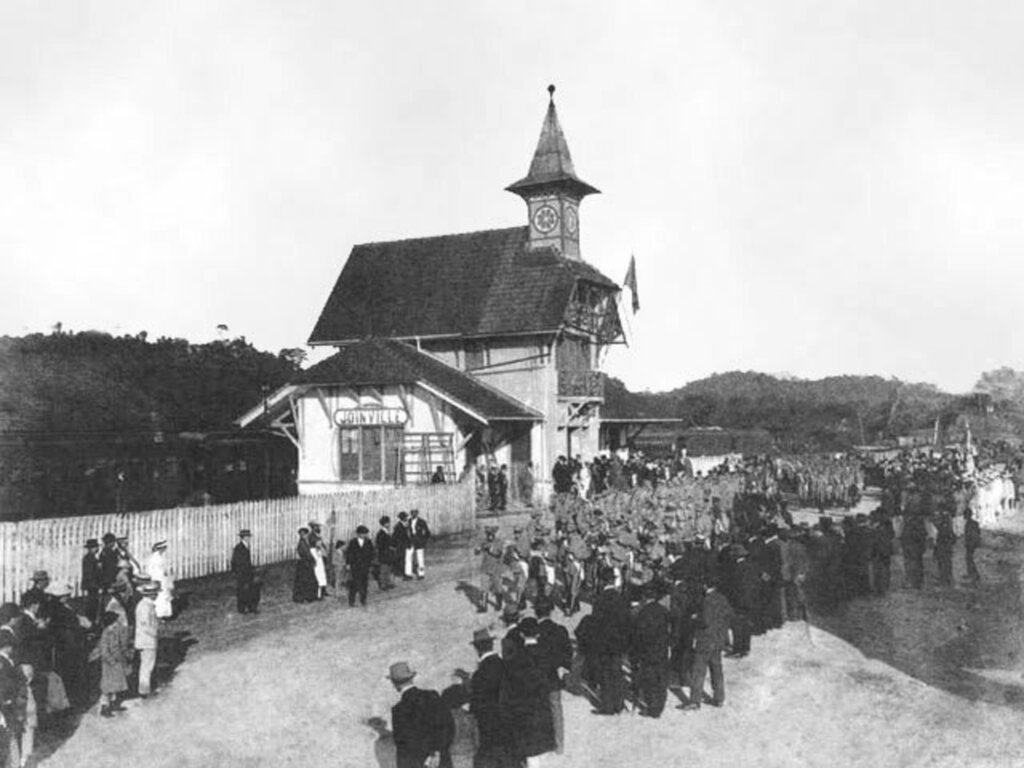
(247, 593)
(422, 726)
(486, 690)
(648, 653)
(403, 546)
(712, 635)
(91, 579)
(419, 533)
(613, 624)
(359, 558)
(556, 650)
(384, 545)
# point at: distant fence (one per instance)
(200, 539)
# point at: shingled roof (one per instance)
(475, 284)
(383, 362)
(552, 164)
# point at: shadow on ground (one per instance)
(967, 639)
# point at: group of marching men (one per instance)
(664, 612)
(56, 653)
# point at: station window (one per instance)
(370, 454)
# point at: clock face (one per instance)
(572, 222)
(545, 218)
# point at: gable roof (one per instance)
(474, 284)
(385, 362)
(382, 362)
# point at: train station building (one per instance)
(459, 349)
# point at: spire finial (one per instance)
(551, 93)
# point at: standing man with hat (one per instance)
(359, 559)
(486, 693)
(247, 593)
(422, 727)
(384, 547)
(403, 546)
(419, 533)
(37, 594)
(91, 579)
(108, 559)
(147, 628)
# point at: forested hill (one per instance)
(91, 381)
(830, 413)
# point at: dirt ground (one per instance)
(930, 678)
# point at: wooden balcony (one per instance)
(581, 385)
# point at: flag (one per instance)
(630, 282)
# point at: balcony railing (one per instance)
(581, 384)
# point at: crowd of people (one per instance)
(58, 654)
(393, 551)
(679, 570)
(678, 574)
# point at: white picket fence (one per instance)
(200, 539)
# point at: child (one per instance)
(115, 657)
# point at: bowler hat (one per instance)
(400, 672)
(40, 576)
(89, 543)
(362, 529)
(109, 538)
(482, 636)
(244, 532)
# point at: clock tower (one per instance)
(552, 190)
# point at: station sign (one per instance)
(370, 417)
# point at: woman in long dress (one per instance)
(317, 547)
(156, 568)
(305, 589)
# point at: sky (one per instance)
(808, 188)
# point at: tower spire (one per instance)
(552, 190)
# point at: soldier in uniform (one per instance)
(492, 555)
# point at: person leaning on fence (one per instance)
(247, 591)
